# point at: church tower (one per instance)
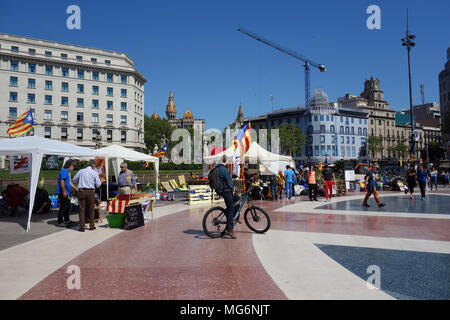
(373, 94)
(240, 118)
(171, 109)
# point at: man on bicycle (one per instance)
(226, 192)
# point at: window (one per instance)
(48, 85)
(322, 150)
(94, 89)
(123, 79)
(109, 105)
(123, 119)
(353, 140)
(31, 83)
(95, 103)
(353, 130)
(316, 118)
(80, 74)
(353, 120)
(342, 140)
(64, 115)
(316, 151)
(14, 66)
(65, 86)
(32, 68)
(49, 70)
(108, 62)
(48, 114)
(343, 151)
(48, 99)
(65, 72)
(94, 60)
(348, 151)
(64, 133)
(310, 139)
(123, 93)
(13, 81)
(322, 118)
(109, 77)
(15, 48)
(359, 131)
(332, 129)
(31, 98)
(322, 129)
(310, 129)
(322, 139)
(79, 58)
(342, 119)
(365, 121)
(109, 91)
(64, 55)
(123, 136)
(347, 130)
(80, 88)
(80, 102)
(48, 132)
(79, 134)
(348, 140)
(64, 101)
(123, 106)
(80, 116)
(341, 130)
(109, 135)
(94, 75)
(95, 117)
(109, 118)
(48, 53)
(328, 118)
(334, 151)
(94, 134)
(13, 112)
(353, 152)
(13, 96)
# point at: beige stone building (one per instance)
(74, 92)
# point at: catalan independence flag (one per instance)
(162, 152)
(243, 140)
(24, 124)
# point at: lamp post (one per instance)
(408, 42)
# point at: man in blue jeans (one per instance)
(290, 179)
(226, 192)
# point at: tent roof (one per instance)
(120, 152)
(255, 152)
(36, 144)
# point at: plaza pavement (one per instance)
(309, 253)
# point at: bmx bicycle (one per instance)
(256, 219)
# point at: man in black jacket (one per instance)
(226, 192)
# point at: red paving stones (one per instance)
(171, 258)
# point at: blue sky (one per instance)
(193, 48)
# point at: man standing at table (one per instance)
(88, 180)
(127, 180)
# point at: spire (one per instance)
(240, 117)
(171, 109)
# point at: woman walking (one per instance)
(422, 180)
(411, 179)
(369, 181)
(433, 178)
(329, 179)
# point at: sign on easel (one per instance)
(350, 179)
(134, 217)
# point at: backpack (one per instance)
(214, 180)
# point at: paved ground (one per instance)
(314, 250)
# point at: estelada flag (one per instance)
(22, 125)
(243, 140)
(162, 152)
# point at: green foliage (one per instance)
(154, 130)
(292, 138)
(375, 144)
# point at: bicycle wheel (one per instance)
(214, 222)
(257, 219)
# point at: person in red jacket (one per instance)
(15, 195)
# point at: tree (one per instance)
(292, 138)
(400, 149)
(435, 152)
(375, 145)
(155, 130)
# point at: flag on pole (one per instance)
(243, 140)
(22, 125)
(162, 152)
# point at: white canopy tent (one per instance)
(118, 154)
(36, 147)
(255, 154)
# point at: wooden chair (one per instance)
(166, 186)
(174, 185)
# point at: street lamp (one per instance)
(408, 42)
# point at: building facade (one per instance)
(338, 134)
(186, 122)
(77, 94)
(444, 94)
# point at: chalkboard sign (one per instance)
(52, 163)
(135, 218)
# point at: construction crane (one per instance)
(293, 54)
